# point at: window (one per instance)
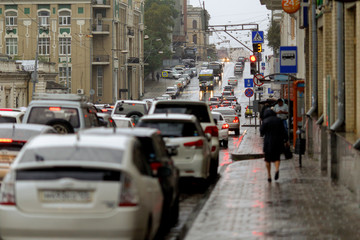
(194, 24)
(80, 10)
(44, 18)
(27, 10)
(11, 18)
(44, 46)
(62, 76)
(100, 77)
(195, 39)
(11, 46)
(64, 45)
(64, 18)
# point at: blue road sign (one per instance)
(248, 83)
(270, 91)
(257, 37)
(263, 64)
(249, 92)
(288, 59)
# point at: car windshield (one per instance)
(199, 111)
(4, 119)
(42, 115)
(125, 108)
(172, 128)
(78, 153)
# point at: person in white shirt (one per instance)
(282, 111)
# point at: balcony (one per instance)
(101, 3)
(272, 4)
(101, 60)
(100, 29)
(133, 61)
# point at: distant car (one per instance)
(11, 115)
(238, 68)
(229, 88)
(80, 187)
(180, 84)
(163, 97)
(130, 108)
(231, 118)
(179, 70)
(171, 91)
(13, 137)
(227, 94)
(123, 122)
(185, 132)
(169, 73)
(223, 128)
(232, 80)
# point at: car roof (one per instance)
(173, 116)
(23, 132)
(180, 102)
(222, 109)
(131, 101)
(137, 132)
(11, 113)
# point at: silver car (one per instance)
(231, 118)
(223, 128)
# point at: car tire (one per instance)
(135, 115)
(225, 143)
(214, 168)
(61, 126)
(237, 132)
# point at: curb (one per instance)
(239, 157)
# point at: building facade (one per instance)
(96, 45)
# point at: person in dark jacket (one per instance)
(275, 137)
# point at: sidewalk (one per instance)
(300, 205)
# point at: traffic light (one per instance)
(257, 47)
(253, 64)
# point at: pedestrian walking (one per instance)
(157, 76)
(275, 137)
(281, 109)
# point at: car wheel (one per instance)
(135, 115)
(225, 143)
(237, 132)
(214, 168)
(61, 126)
(175, 211)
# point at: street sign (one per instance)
(164, 74)
(248, 83)
(288, 59)
(259, 89)
(270, 91)
(249, 92)
(263, 64)
(258, 78)
(263, 68)
(257, 37)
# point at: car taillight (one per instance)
(236, 120)
(104, 110)
(6, 140)
(54, 109)
(225, 126)
(6, 109)
(213, 130)
(154, 166)
(198, 143)
(128, 193)
(7, 193)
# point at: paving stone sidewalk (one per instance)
(302, 204)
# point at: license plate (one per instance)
(69, 196)
(7, 158)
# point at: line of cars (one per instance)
(100, 182)
(180, 83)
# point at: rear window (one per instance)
(125, 108)
(88, 154)
(79, 173)
(173, 128)
(214, 66)
(200, 111)
(43, 115)
(225, 112)
(4, 119)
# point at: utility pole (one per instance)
(67, 65)
(34, 75)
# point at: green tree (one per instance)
(159, 20)
(273, 36)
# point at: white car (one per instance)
(171, 91)
(123, 122)
(80, 187)
(223, 128)
(202, 112)
(231, 118)
(182, 130)
(10, 115)
(232, 80)
(130, 108)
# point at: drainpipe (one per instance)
(314, 101)
(340, 66)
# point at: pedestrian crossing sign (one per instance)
(257, 36)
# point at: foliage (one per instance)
(159, 20)
(273, 36)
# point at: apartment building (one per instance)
(96, 45)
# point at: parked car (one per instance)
(165, 96)
(80, 186)
(130, 108)
(238, 68)
(13, 137)
(229, 88)
(231, 118)
(193, 158)
(160, 159)
(223, 128)
(232, 80)
(202, 112)
(11, 115)
(171, 91)
(67, 113)
(169, 73)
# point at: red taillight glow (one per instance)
(155, 165)
(6, 109)
(198, 143)
(54, 109)
(225, 126)
(213, 130)
(6, 140)
(104, 110)
(236, 120)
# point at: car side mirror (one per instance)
(163, 172)
(208, 136)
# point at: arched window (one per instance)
(64, 18)
(194, 24)
(44, 18)
(11, 18)
(195, 39)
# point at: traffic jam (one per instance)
(111, 170)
